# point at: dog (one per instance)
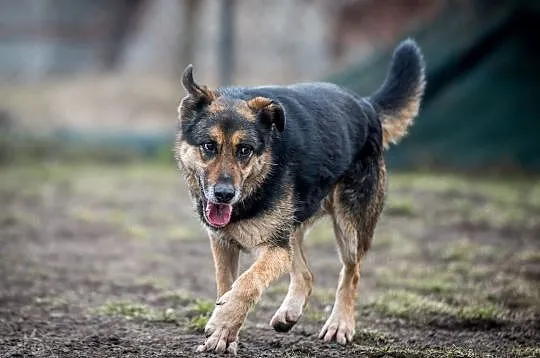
(262, 164)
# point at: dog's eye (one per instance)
(244, 151)
(209, 147)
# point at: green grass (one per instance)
(160, 283)
(419, 279)
(462, 250)
(401, 205)
(192, 314)
(175, 297)
(531, 256)
(412, 306)
(321, 232)
(200, 312)
(135, 310)
(527, 351)
(373, 336)
(314, 314)
(400, 352)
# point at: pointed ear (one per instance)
(268, 111)
(201, 93)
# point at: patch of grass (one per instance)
(138, 232)
(462, 250)
(528, 352)
(497, 202)
(409, 305)
(200, 312)
(400, 205)
(135, 310)
(48, 300)
(182, 233)
(395, 242)
(313, 314)
(400, 352)
(161, 283)
(406, 304)
(167, 315)
(467, 251)
(485, 312)
(322, 295)
(278, 289)
(175, 297)
(513, 292)
(435, 282)
(125, 309)
(529, 256)
(366, 335)
(117, 217)
(321, 232)
(85, 214)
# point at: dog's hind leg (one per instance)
(356, 206)
(301, 283)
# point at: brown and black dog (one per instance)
(264, 163)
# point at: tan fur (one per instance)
(217, 106)
(225, 162)
(232, 308)
(255, 172)
(354, 234)
(243, 109)
(300, 286)
(189, 158)
(226, 263)
(341, 323)
(258, 230)
(210, 94)
(258, 103)
(237, 137)
(217, 135)
(396, 125)
(271, 263)
(301, 275)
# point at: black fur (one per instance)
(329, 135)
(405, 77)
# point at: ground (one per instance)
(109, 261)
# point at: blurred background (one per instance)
(102, 255)
(100, 78)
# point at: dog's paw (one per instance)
(287, 315)
(220, 340)
(222, 328)
(338, 328)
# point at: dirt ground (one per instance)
(102, 261)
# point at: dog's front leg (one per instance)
(226, 256)
(232, 308)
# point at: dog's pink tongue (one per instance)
(218, 214)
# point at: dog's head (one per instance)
(224, 143)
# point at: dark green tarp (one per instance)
(482, 104)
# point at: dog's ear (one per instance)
(268, 111)
(199, 93)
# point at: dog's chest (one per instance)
(269, 226)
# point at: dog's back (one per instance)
(329, 129)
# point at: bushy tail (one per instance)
(397, 101)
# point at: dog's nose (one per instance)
(224, 192)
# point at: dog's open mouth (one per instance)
(218, 215)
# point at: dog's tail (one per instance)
(397, 101)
